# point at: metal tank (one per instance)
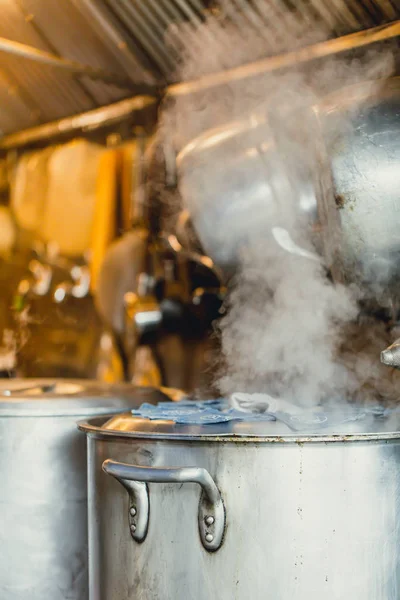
(43, 491)
(365, 171)
(333, 165)
(242, 510)
(232, 181)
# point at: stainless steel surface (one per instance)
(215, 196)
(366, 179)
(72, 397)
(391, 356)
(30, 53)
(43, 492)
(211, 513)
(307, 518)
(359, 218)
(43, 520)
(139, 502)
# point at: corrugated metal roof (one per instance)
(50, 93)
(33, 93)
(14, 112)
(78, 42)
(275, 24)
(144, 41)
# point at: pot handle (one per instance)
(211, 515)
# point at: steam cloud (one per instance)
(286, 327)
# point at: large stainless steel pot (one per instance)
(243, 510)
(365, 168)
(238, 183)
(232, 182)
(43, 490)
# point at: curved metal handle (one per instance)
(211, 514)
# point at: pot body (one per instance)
(43, 532)
(340, 172)
(365, 163)
(241, 201)
(43, 490)
(304, 520)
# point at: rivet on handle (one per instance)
(139, 504)
(211, 512)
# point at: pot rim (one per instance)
(59, 397)
(92, 428)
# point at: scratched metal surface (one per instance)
(297, 523)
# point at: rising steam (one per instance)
(285, 320)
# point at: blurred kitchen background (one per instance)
(93, 284)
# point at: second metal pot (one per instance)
(237, 186)
(43, 491)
